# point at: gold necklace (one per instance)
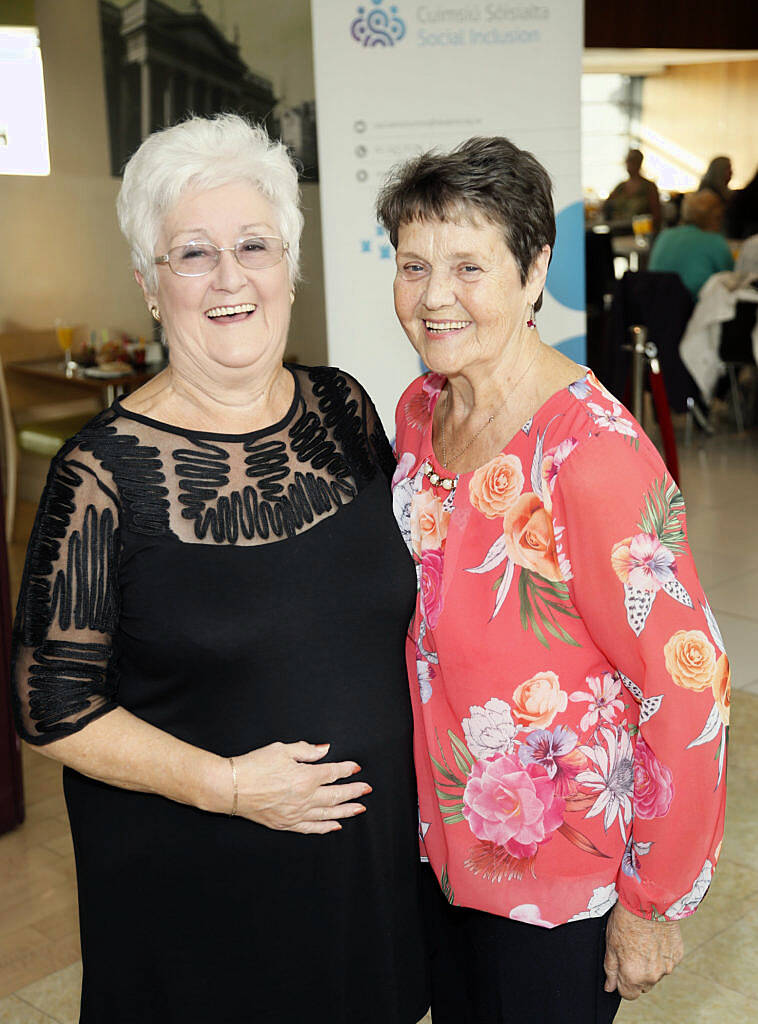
(491, 419)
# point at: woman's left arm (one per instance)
(621, 521)
(638, 953)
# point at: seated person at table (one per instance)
(634, 196)
(694, 249)
(723, 327)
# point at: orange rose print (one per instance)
(429, 522)
(536, 702)
(690, 659)
(529, 540)
(495, 486)
(721, 688)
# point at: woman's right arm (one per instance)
(277, 785)
(65, 686)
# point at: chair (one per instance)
(736, 352)
(660, 302)
(38, 416)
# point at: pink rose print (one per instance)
(643, 562)
(431, 585)
(512, 805)
(653, 783)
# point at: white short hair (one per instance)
(204, 153)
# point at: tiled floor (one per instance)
(40, 971)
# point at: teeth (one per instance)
(446, 325)
(246, 307)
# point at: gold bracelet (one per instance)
(235, 796)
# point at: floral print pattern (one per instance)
(568, 674)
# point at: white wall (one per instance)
(69, 259)
(68, 256)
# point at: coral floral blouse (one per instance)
(569, 681)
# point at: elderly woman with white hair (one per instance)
(210, 637)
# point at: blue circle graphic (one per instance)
(575, 348)
(565, 278)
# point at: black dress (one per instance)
(232, 590)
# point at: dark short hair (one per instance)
(489, 176)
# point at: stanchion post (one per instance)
(639, 367)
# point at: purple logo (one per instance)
(373, 26)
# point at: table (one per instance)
(109, 387)
(635, 251)
(628, 248)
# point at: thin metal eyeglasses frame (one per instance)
(166, 258)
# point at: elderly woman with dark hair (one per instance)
(569, 683)
(210, 637)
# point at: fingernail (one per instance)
(361, 810)
(322, 746)
(367, 789)
(356, 769)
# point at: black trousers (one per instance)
(491, 970)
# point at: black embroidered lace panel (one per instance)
(125, 472)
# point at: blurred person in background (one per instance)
(741, 219)
(717, 177)
(723, 327)
(694, 249)
(634, 196)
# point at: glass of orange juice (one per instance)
(642, 226)
(65, 335)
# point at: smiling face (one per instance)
(232, 317)
(458, 293)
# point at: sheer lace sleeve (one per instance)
(373, 438)
(61, 674)
(381, 449)
(350, 413)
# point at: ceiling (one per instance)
(602, 60)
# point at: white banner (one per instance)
(395, 78)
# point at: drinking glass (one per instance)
(65, 335)
(642, 227)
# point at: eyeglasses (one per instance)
(193, 259)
